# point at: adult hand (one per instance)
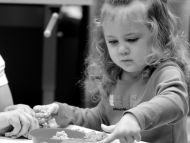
(127, 128)
(22, 123)
(23, 107)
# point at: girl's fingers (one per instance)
(42, 111)
(40, 115)
(109, 138)
(107, 129)
(38, 108)
(52, 123)
(42, 120)
(53, 109)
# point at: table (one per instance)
(74, 127)
(10, 140)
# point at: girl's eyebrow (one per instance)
(133, 34)
(126, 35)
(109, 36)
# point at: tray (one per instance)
(45, 135)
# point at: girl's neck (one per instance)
(130, 76)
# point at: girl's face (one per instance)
(128, 43)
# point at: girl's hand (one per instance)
(127, 128)
(44, 113)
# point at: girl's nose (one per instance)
(124, 50)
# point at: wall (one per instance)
(22, 45)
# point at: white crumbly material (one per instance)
(61, 135)
(90, 137)
(94, 137)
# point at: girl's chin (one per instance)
(132, 70)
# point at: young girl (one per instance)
(140, 67)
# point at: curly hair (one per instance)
(169, 43)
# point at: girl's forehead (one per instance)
(135, 11)
(124, 27)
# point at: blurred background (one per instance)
(42, 69)
(46, 68)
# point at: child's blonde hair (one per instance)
(169, 44)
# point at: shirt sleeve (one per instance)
(170, 102)
(86, 117)
(3, 78)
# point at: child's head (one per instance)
(154, 14)
(150, 35)
(127, 34)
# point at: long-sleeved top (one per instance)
(3, 77)
(160, 104)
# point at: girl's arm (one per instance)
(88, 117)
(65, 115)
(170, 102)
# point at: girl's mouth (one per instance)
(127, 60)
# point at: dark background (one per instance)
(21, 46)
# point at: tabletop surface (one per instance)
(10, 140)
(74, 127)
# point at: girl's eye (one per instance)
(131, 40)
(113, 42)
